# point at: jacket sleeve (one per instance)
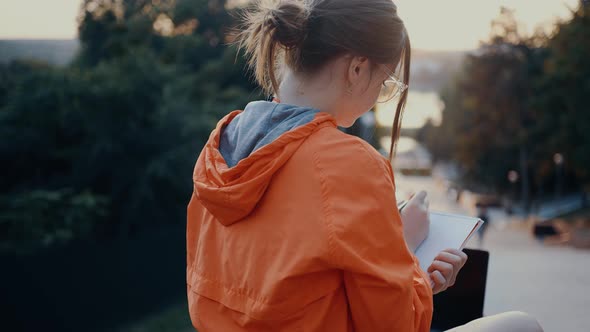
(385, 287)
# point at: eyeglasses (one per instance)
(392, 88)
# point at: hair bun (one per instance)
(288, 20)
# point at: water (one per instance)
(419, 108)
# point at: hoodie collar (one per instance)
(257, 143)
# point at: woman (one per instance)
(293, 225)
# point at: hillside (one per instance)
(58, 52)
(430, 69)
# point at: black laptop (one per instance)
(464, 301)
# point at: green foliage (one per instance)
(515, 103)
(561, 97)
(123, 124)
(44, 218)
(175, 318)
(486, 111)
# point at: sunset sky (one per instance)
(433, 24)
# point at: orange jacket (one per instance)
(301, 234)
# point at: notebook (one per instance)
(446, 231)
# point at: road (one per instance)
(551, 283)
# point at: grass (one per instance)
(173, 319)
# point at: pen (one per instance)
(402, 205)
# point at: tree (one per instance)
(486, 118)
(561, 98)
(109, 142)
(516, 102)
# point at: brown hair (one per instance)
(307, 34)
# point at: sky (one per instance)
(462, 24)
(432, 24)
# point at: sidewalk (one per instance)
(551, 283)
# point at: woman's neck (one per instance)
(296, 90)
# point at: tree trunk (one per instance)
(524, 190)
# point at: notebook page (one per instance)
(446, 231)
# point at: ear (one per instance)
(358, 67)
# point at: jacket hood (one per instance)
(245, 150)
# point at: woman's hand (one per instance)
(415, 220)
(443, 271)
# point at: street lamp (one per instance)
(512, 178)
(558, 160)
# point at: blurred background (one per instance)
(105, 105)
